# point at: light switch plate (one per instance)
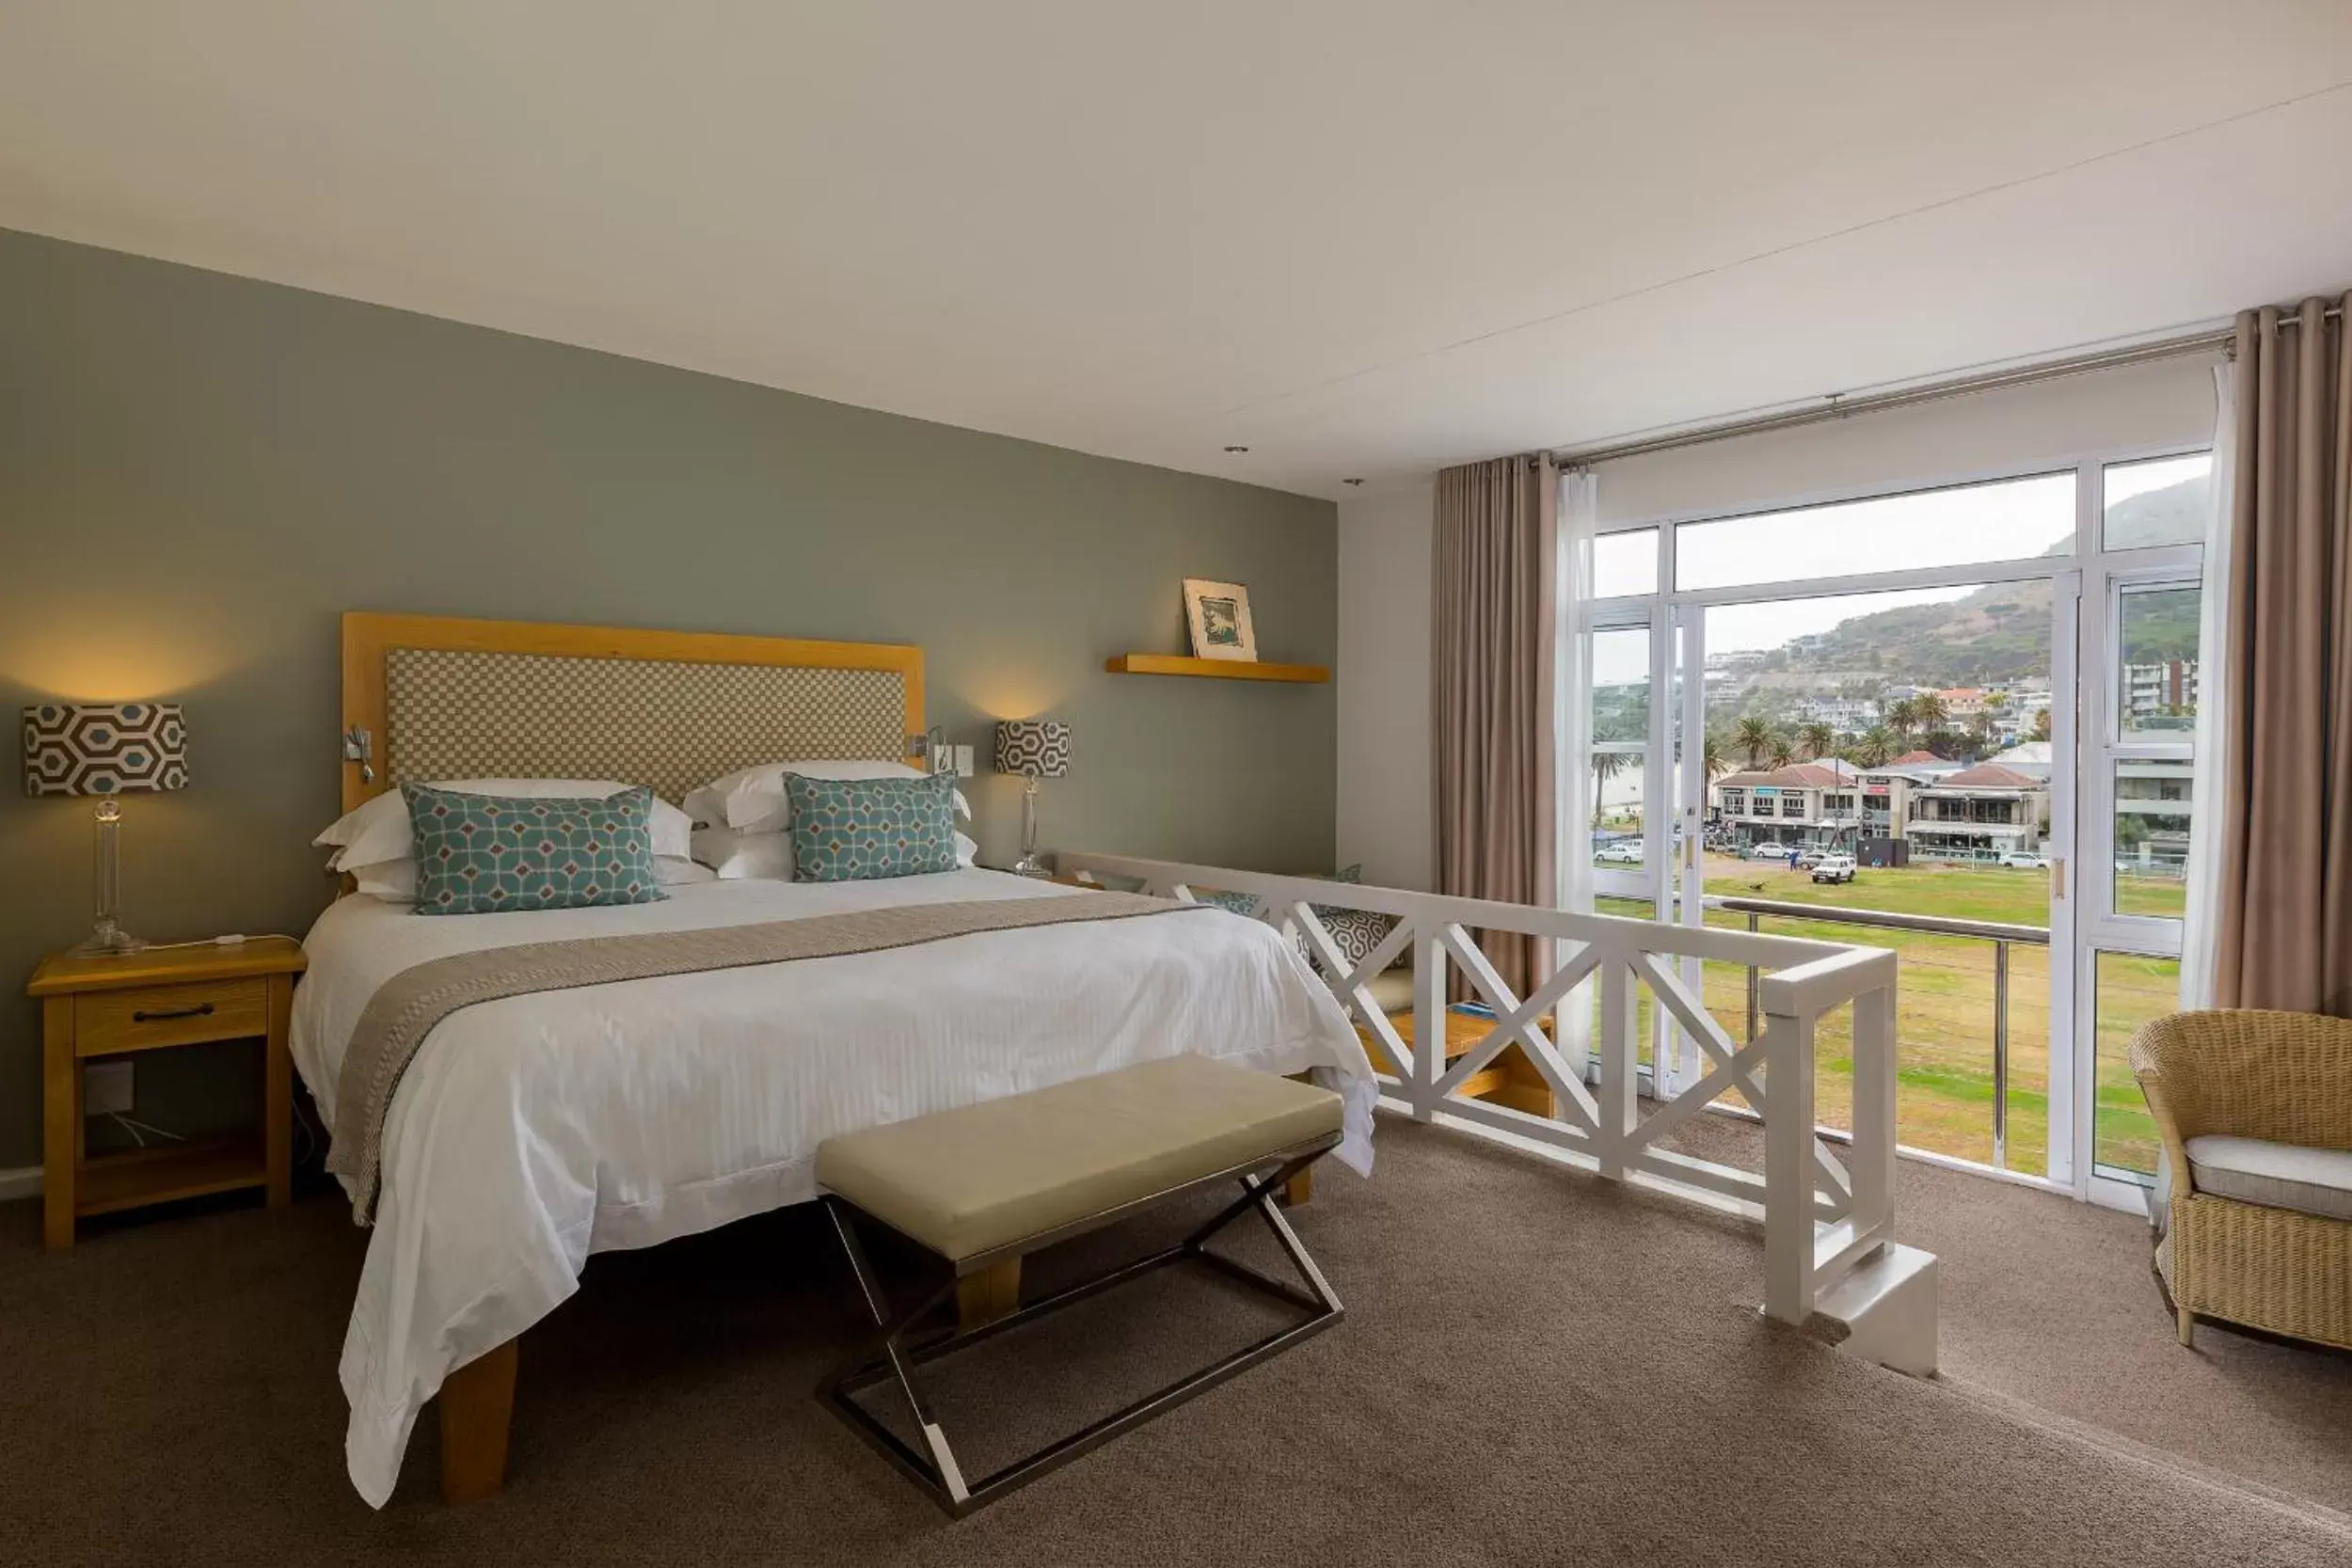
(108, 1088)
(963, 762)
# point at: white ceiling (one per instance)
(1361, 237)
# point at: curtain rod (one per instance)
(1837, 405)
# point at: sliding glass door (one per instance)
(1953, 721)
(1880, 775)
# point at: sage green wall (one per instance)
(199, 472)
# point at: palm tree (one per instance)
(1980, 732)
(1902, 717)
(1755, 738)
(2042, 725)
(1929, 710)
(1781, 754)
(1714, 755)
(1875, 747)
(1819, 740)
(1605, 766)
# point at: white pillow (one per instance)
(679, 871)
(751, 799)
(380, 830)
(737, 855)
(395, 881)
(705, 807)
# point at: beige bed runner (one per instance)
(405, 1008)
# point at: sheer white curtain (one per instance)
(1579, 491)
(1572, 723)
(2212, 787)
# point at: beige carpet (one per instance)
(2050, 1303)
(1536, 1368)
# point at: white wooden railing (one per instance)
(1821, 1215)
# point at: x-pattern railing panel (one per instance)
(1522, 1016)
(1353, 987)
(1715, 1043)
(1515, 1024)
(1803, 980)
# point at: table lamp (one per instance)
(106, 748)
(1035, 749)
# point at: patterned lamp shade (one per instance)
(1039, 748)
(104, 747)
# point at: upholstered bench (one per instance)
(981, 1187)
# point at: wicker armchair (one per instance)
(2283, 1077)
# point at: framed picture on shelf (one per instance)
(1218, 615)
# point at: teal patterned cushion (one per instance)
(1345, 874)
(856, 830)
(1354, 932)
(481, 854)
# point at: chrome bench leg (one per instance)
(891, 1357)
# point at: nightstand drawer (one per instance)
(153, 1016)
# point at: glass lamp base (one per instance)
(1029, 866)
(111, 938)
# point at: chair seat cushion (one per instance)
(982, 1177)
(2274, 1175)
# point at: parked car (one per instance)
(1834, 868)
(1810, 859)
(1768, 852)
(1624, 851)
(2023, 861)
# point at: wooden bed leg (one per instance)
(477, 1407)
(2187, 1326)
(984, 1297)
(1299, 1188)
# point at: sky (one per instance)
(2011, 520)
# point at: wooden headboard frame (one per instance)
(368, 637)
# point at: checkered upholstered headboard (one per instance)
(474, 699)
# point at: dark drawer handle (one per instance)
(200, 1010)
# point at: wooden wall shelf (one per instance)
(1215, 669)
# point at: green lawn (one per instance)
(1946, 1014)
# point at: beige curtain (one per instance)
(1496, 572)
(2283, 912)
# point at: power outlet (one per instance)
(106, 1088)
(963, 762)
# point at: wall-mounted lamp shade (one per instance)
(1039, 748)
(104, 747)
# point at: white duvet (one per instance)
(531, 1132)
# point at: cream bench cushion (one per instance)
(982, 1177)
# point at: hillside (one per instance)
(2000, 633)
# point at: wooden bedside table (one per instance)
(106, 1004)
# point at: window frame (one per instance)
(2082, 829)
(2108, 574)
(1631, 612)
(2114, 573)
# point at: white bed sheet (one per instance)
(531, 1132)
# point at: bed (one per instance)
(530, 1131)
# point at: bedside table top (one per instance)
(63, 972)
